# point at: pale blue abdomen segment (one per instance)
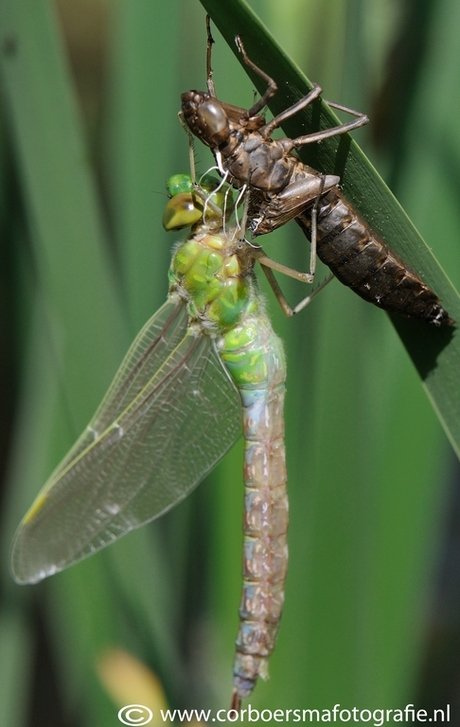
(254, 357)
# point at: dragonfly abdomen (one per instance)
(366, 264)
(254, 357)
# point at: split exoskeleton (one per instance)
(282, 188)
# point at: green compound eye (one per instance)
(209, 182)
(182, 210)
(189, 203)
(178, 184)
(223, 198)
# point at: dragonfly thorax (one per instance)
(208, 271)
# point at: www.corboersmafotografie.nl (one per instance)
(337, 714)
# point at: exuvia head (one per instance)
(206, 118)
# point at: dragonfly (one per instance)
(282, 188)
(207, 365)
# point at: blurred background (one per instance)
(88, 136)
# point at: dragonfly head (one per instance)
(206, 118)
(189, 204)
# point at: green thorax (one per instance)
(209, 271)
(215, 277)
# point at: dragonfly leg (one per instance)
(303, 303)
(328, 133)
(314, 228)
(268, 265)
(360, 120)
(191, 145)
(278, 293)
(269, 128)
(209, 71)
(267, 262)
(272, 264)
(316, 91)
(345, 109)
(272, 87)
(287, 309)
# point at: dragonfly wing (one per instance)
(162, 439)
(154, 342)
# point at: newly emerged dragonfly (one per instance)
(206, 363)
(283, 188)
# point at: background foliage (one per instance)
(88, 137)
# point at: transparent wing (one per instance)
(170, 414)
(152, 345)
